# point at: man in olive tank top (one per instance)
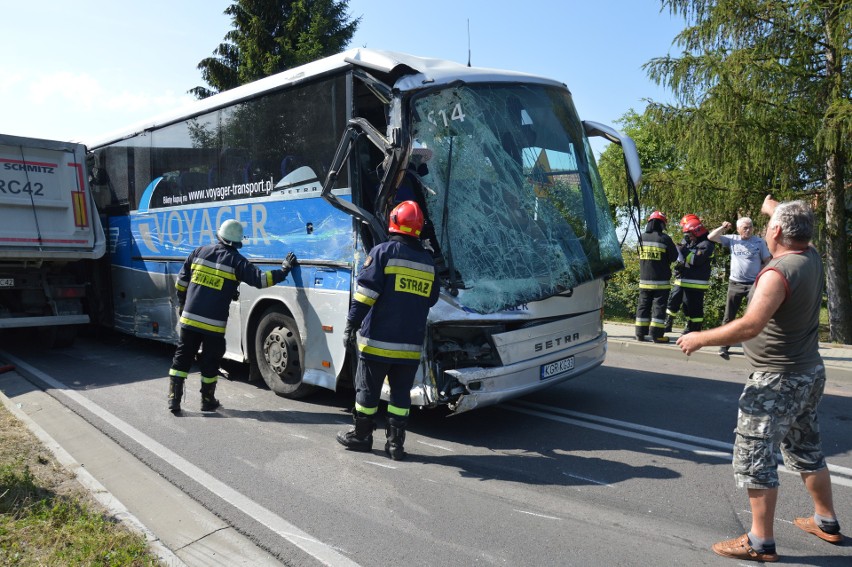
(777, 409)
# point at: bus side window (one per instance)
(290, 163)
(190, 181)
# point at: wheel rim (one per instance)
(276, 349)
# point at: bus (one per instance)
(312, 160)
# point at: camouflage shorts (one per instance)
(777, 410)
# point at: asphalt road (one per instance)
(626, 465)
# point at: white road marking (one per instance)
(593, 481)
(383, 465)
(538, 515)
(842, 475)
(435, 446)
(304, 541)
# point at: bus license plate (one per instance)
(557, 367)
(7, 282)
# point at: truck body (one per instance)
(50, 235)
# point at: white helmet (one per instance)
(231, 232)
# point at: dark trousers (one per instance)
(675, 300)
(693, 308)
(213, 348)
(692, 301)
(651, 312)
(370, 376)
(736, 293)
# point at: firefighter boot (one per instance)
(692, 327)
(208, 400)
(175, 393)
(659, 338)
(669, 324)
(395, 431)
(360, 437)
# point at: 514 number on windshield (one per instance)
(442, 117)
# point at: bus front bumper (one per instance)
(489, 386)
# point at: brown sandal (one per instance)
(811, 527)
(740, 548)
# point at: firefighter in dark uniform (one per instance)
(656, 253)
(387, 320)
(676, 295)
(694, 263)
(206, 285)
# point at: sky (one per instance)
(82, 69)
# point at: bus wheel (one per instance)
(278, 355)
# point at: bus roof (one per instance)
(413, 73)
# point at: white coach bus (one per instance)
(312, 160)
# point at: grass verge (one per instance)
(47, 518)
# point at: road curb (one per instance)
(190, 535)
(837, 358)
(111, 504)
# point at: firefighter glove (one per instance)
(289, 262)
(348, 336)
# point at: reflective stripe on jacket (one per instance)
(695, 272)
(395, 289)
(208, 282)
(656, 254)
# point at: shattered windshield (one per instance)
(513, 192)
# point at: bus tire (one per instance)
(278, 355)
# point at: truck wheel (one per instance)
(278, 356)
(58, 336)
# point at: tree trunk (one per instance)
(837, 239)
(836, 252)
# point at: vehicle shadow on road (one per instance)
(525, 449)
(335, 406)
(559, 470)
(819, 560)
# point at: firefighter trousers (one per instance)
(368, 384)
(675, 300)
(693, 308)
(651, 312)
(212, 350)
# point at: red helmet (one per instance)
(657, 215)
(695, 228)
(406, 218)
(689, 217)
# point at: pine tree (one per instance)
(764, 94)
(270, 36)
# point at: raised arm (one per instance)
(716, 233)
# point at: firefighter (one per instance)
(694, 261)
(205, 287)
(657, 251)
(676, 295)
(387, 320)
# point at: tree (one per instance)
(764, 105)
(270, 36)
(663, 170)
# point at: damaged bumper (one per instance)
(488, 386)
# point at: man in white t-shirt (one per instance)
(748, 255)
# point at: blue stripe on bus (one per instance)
(272, 227)
(315, 277)
(145, 201)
